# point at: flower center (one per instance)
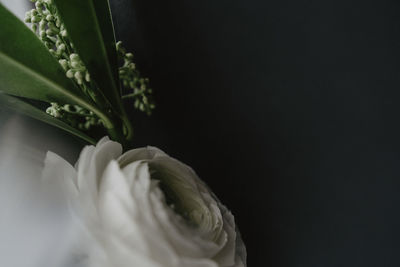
(181, 196)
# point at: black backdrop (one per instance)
(289, 110)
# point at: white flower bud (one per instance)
(38, 5)
(36, 19)
(50, 32)
(74, 57)
(63, 63)
(70, 74)
(129, 56)
(87, 77)
(75, 64)
(49, 17)
(42, 25)
(78, 75)
(61, 47)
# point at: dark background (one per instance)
(289, 110)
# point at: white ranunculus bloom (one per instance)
(146, 209)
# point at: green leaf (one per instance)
(89, 26)
(24, 108)
(28, 69)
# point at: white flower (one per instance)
(146, 209)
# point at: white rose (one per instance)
(144, 208)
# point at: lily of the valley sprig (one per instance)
(75, 65)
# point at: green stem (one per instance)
(120, 130)
(131, 95)
(128, 127)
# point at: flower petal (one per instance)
(145, 153)
(56, 169)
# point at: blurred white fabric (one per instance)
(36, 229)
(34, 225)
(18, 7)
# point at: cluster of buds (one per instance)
(74, 115)
(131, 79)
(49, 28)
(75, 69)
(47, 25)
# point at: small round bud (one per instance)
(64, 33)
(54, 110)
(118, 44)
(34, 27)
(34, 12)
(42, 34)
(129, 56)
(49, 17)
(87, 77)
(78, 75)
(61, 47)
(28, 19)
(42, 25)
(63, 63)
(52, 25)
(36, 19)
(74, 57)
(50, 32)
(75, 64)
(39, 5)
(70, 74)
(69, 108)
